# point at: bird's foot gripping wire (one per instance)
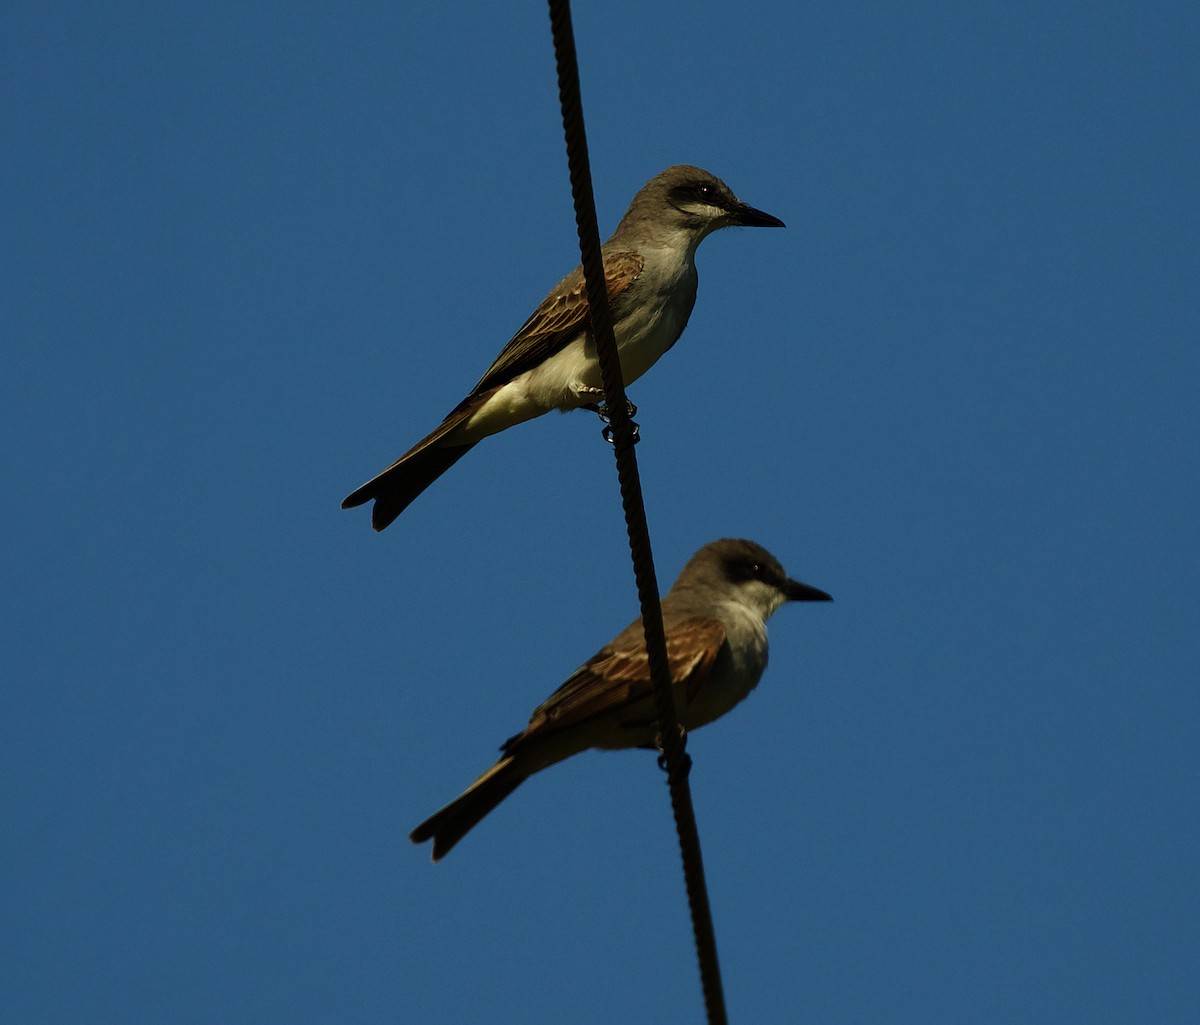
(601, 410)
(685, 761)
(685, 765)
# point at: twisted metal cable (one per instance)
(672, 740)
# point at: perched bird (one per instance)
(650, 273)
(715, 618)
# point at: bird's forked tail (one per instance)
(460, 816)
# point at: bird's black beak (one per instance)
(797, 591)
(748, 217)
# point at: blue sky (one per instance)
(253, 251)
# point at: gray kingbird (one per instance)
(715, 617)
(650, 273)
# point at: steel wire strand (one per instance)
(672, 741)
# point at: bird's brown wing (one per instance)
(560, 317)
(619, 676)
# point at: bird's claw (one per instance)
(685, 764)
(601, 410)
(685, 761)
(608, 435)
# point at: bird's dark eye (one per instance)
(696, 192)
(743, 570)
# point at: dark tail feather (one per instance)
(401, 482)
(461, 815)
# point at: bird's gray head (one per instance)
(688, 200)
(746, 572)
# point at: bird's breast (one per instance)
(737, 670)
(652, 320)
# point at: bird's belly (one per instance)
(721, 692)
(553, 384)
(571, 377)
(556, 382)
(647, 335)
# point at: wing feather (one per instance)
(560, 317)
(619, 676)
